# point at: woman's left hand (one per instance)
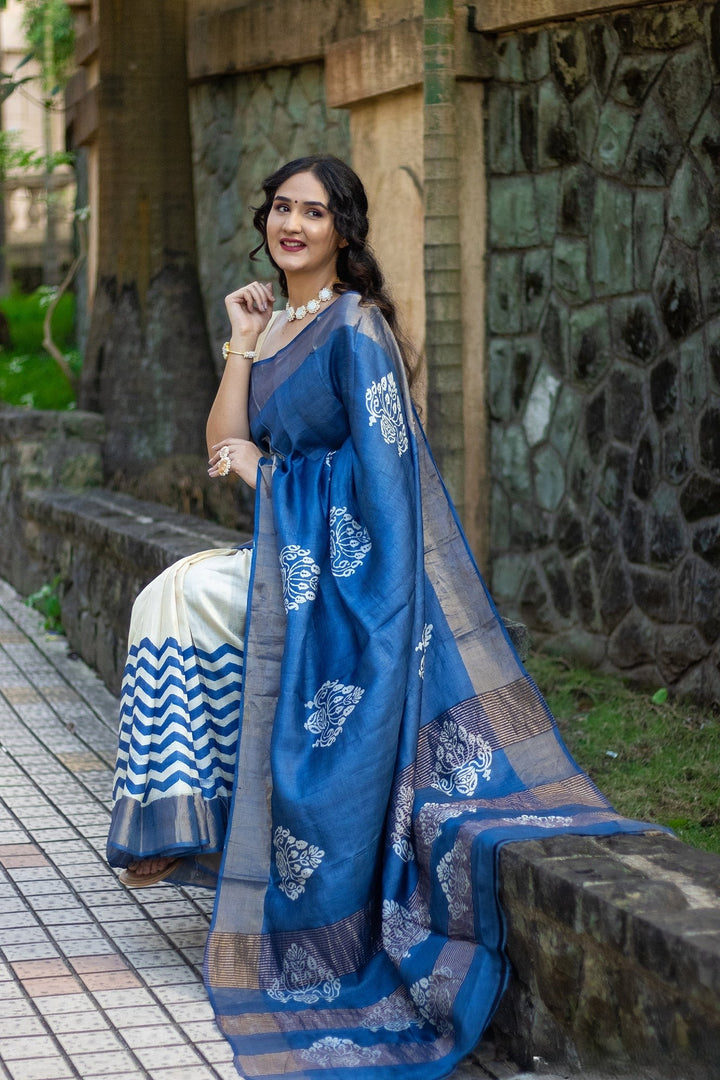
(242, 457)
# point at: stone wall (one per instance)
(104, 546)
(244, 127)
(604, 338)
(615, 947)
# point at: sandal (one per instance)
(133, 880)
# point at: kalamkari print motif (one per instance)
(300, 574)
(304, 979)
(383, 404)
(332, 705)
(349, 542)
(461, 758)
(296, 860)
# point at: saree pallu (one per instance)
(390, 740)
(180, 714)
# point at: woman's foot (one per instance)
(148, 871)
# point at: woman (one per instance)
(390, 739)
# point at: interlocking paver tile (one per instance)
(111, 980)
(81, 946)
(59, 916)
(39, 988)
(23, 936)
(192, 1072)
(54, 1068)
(182, 994)
(17, 918)
(16, 1007)
(16, 1048)
(40, 969)
(62, 1023)
(19, 1025)
(64, 1003)
(154, 1035)
(220, 1052)
(125, 1017)
(166, 976)
(166, 1057)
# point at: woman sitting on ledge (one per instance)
(332, 726)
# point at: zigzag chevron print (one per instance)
(179, 721)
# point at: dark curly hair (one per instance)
(357, 267)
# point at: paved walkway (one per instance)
(96, 981)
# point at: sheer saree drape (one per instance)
(390, 740)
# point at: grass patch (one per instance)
(28, 375)
(655, 760)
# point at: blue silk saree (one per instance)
(390, 740)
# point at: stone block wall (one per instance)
(56, 521)
(244, 127)
(615, 946)
(39, 450)
(603, 157)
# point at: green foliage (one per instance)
(47, 602)
(656, 759)
(28, 375)
(25, 313)
(14, 158)
(56, 13)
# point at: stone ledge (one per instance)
(615, 942)
(17, 423)
(495, 16)
(105, 547)
(146, 533)
(246, 37)
(374, 63)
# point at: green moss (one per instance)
(655, 760)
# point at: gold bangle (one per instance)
(227, 351)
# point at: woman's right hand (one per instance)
(249, 310)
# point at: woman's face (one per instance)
(300, 229)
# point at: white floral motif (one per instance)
(433, 815)
(328, 458)
(304, 979)
(435, 996)
(454, 881)
(422, 647)
(400, 930)
(460, 758)
(394, 1013)
(341, 1052)
(401, 825)
(300, 575)
(333, 703)
(383, 404)
(551, 821)
(295, 860)
(349, 542)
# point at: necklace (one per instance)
(311, 307)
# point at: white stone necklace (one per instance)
(311, 307)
